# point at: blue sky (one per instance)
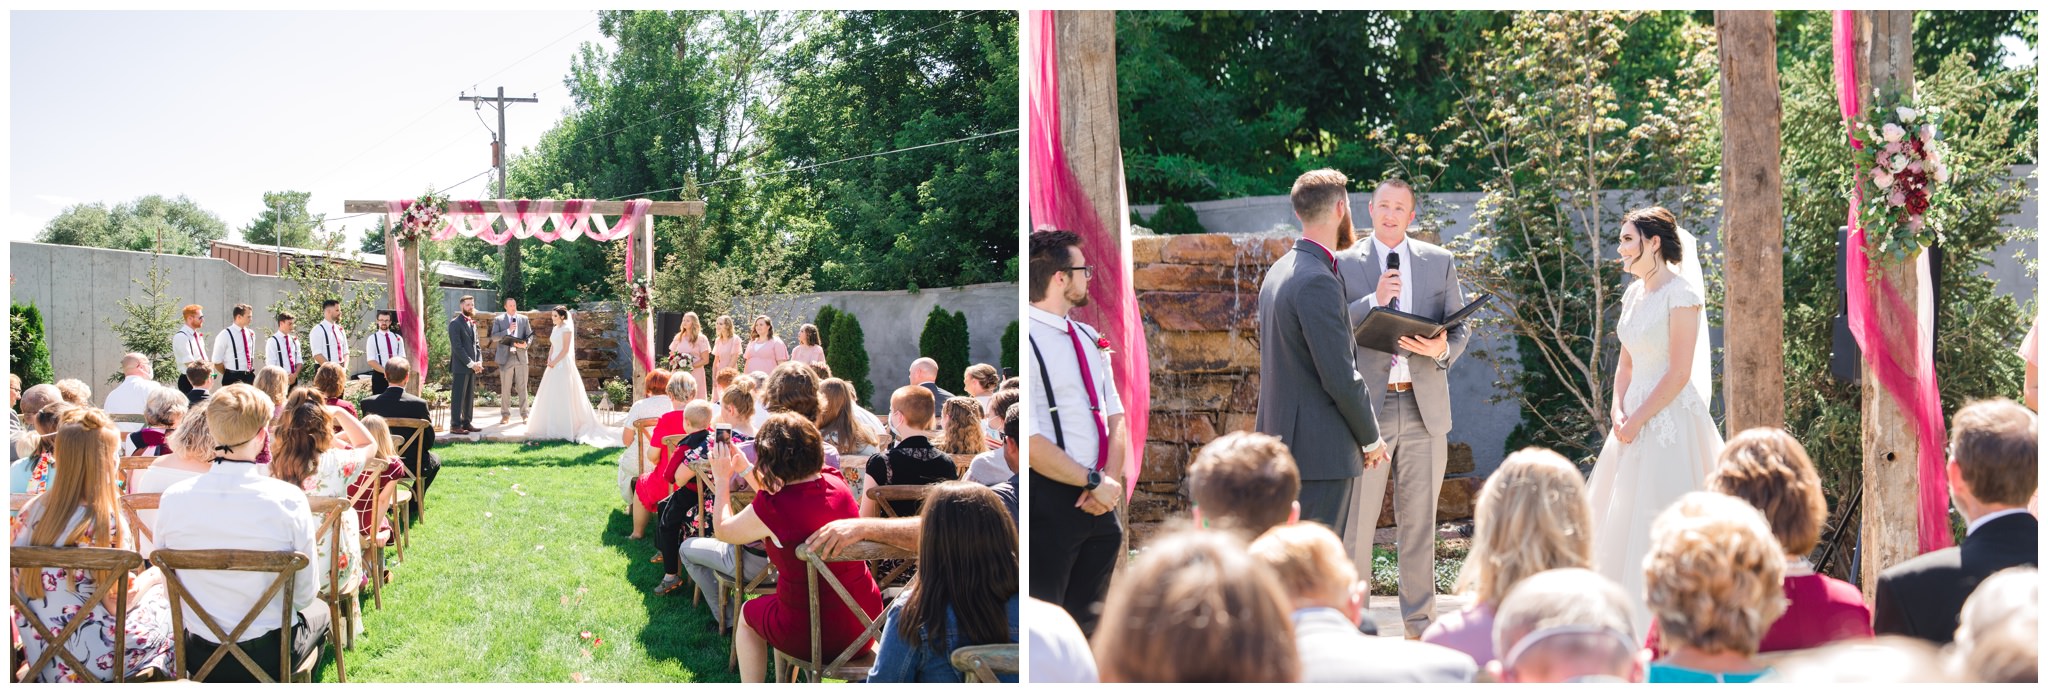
(223, 106)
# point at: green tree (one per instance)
(176, 226)
(373, 237)
(147, 324)
(1009, 360)
(826, 315)
(284, 221)
(322, 278)
(944, 340)
(848, 355)
(28, 355)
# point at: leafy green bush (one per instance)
(1009, 362)
(945, 340)
(29, 354)
(147, 324)
(847, 354)
(826, 315)
(1175, 217)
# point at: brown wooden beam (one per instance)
(692, 208)
(1752, 222)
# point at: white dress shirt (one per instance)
(235, 348)
(382, 345)
(188, 346)
(283, 350)
(330, 342)
(235, 506)
(1988, 517)
(128, 398)
(1049, 333)
(1399, 372)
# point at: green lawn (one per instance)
(522, 551)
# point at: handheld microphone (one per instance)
(1393, 261)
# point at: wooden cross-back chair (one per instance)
(884, 495)
(413, 454)
(32, 560)
(127, 419)
(985, 663)
(132, 465)
(852, 663)
(284, 565)
(131, 506)
(373, 539)
(643, 436)
(329, 511)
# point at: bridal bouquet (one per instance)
(1902, 164)
(678, 361)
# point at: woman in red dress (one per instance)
(798, 494)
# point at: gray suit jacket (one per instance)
(462, 347)
(1309, 392)
(1432, 277)
(1333, 651)
(503, 333)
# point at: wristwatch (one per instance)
(1094, 479)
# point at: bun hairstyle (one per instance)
(562, 312)
(1661, 224)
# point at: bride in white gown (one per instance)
(561, 409)
(1664, 439)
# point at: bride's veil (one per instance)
(1689, 270)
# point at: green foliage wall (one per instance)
(1175, 217)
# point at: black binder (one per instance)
(1383, 328)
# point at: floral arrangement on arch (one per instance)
(421, 217)
(1903, 167)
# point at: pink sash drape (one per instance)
(1058, 202)
(1900, 350)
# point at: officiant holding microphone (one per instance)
(1409, 390)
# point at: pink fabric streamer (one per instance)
(411, 322)
(1902, 357)
(1057, 201)
(634, 333)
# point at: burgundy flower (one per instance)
(1102, 343)
(1916, 202)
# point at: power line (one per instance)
(536, 51)
(807, 167)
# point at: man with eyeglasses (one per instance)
(1077, 430)
(188, 346)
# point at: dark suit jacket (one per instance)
(939, 395)
(195, 396)
(1310, 394)
(395, 403)
(1924, 597)
(462, 346)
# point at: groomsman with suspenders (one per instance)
(283, 350)
(188, 345)
(380, 346)
(1077, 446)
(329, 340)
(233, 349)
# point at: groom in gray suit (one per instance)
(1410, 390)
(1310, 396)
(511, 332)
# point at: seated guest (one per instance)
(1329, 601)
(395, 403)
(720, 381)
(681, 390)
(306, 455)
(332, 384)
(237, 506)
(1566, 625)
(34, 473)
(1059, 651)
(965, 594)
(162, 409)
(797, 494)
(1998, 638)
(988, 468)
(1194, 607)
(793, 389)
(684, 502)
(1532, 516)
(654, 402)
(924, 373)
(821, 371)
(707, 558)
(275, 382)
(137, 379)
(962, 438)
(18, 433)
(981, 382)
(1714, 582)
(79, 510)
(1887, 659)
(836, 421)
(913, 461)
(1770, 470)
(1245, 483)
(1991, 472)
(191, 454)
(904, 532)
(75, 391)
(201, 376)
(367, 517)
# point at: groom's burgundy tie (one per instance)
(1094, 403)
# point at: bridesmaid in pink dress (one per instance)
(690, 340)
(727, 347)
(807, 348)
(765, 352)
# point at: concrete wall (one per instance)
(891, 322)
(80, 289)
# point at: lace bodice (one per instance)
(1645, 331)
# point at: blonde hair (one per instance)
(1714, 576)
(698, 413)
(1768, 469)
(1998, 633)
(1533, 515)
(963, 428)
(273, 381)
(162, 405)
(724, 324)
(237, 414)
(86, 445)
(1194, 607)
(682, 386)
(691, 328)
(192, 438)
(75, 391)
(1309, 561)
(380, 436)
(835, 417)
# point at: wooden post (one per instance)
(1088, 115)
(646, 269)
(1891, 449)
(1753, 221)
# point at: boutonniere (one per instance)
(1103, 344)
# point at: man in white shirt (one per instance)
(234, 349)
(237, 505)
(380, 346)
(329, 341)
(283, 349)
(1329, 603)
(137, 379)
(188, 345)
(1077, 458)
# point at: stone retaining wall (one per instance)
(1199, 296)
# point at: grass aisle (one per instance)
(523, 550)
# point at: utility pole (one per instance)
(512, 285)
